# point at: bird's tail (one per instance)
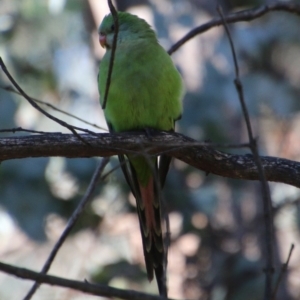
(149, 212)
(148, 199)
(147, 193)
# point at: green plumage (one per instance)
(145, 92)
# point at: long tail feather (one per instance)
(149, 213)
(148, 199)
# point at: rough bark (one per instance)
(200, 156)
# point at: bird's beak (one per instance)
(102, 40)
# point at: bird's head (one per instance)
(131, 28)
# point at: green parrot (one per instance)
(145, 93)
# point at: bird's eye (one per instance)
(112, 27)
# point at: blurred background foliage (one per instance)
(217, 249)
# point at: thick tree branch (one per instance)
(199, 155)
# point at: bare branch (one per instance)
(113, 50)
(244, 15)
(12, 90)
(282, 272)
(199, 155)
(82, 204)
(92, 289)
(268, 217)
(37, 107)
(20, 129)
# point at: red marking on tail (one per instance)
(147, 193)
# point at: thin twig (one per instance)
(86, 198)
(12, 90)
(264, 185)
(37, 107)
(20, 129)
(244, 15)
(113, 50)
(282, 272)
(167, 239)
(85, 287)
(286, 202)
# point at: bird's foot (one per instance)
(149, 131)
